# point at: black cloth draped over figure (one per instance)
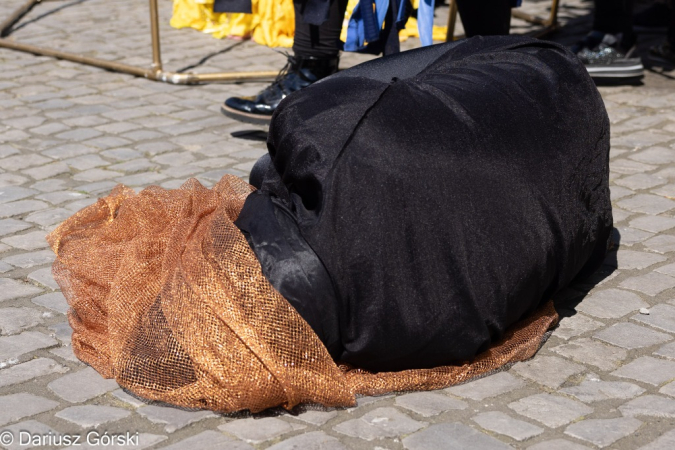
(418, 205)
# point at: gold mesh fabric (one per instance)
(167, 297)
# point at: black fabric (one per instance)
(323, 41)
(232, 6)
(448, 191)
(314, 12)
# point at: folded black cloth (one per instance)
(444, 192)
(314, 12)
(232, 6)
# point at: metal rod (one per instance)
(452, 21)
(16, 16)
(110, 65)
(154, 32)
(150, 73)
(553, 20)
(529, 17)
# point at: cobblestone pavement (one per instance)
(69, 133)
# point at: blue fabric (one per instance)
(425, 21)
(367, 27)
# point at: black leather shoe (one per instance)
(298, 73)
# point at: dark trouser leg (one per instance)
(485, 17)
(615, 16)
(319, 41)
(671, 24)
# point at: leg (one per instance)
(319, 41)
(316, 49)
(609, 51)
(485, 17)
(615, 16)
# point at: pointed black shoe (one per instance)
(298, 73)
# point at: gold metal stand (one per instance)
(154, 72)
(548, 25)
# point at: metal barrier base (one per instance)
(154, 72)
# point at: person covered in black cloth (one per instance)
(414, 207)
(415, 218)
(317, 45)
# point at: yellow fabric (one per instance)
(272, 22)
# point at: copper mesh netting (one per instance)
(168, 298)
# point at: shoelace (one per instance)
(277, 83)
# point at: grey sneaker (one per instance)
(604, 57)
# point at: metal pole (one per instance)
(154, 31)
(110, 65)
(452, 21)
(14, 18)
(155, 72)
(553, 20)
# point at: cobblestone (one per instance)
(593, 389)
(551, 410)
(311, 440)
(429, 404)
(174, 418)
(213, 440)
(10, 226)
(17, 406)
(495, 385)
(649, 405)
(501, 423)
(603, 432)
(260, 430)
(628, 259)
(15, 320)
(29, 370)
(576, 325)
(628, 335)
(558, 444)
(654, 224)
(30, 426)
(20, 344)
(54, 301)
(451, 436)
(30, 241)
(81, 386)
(28, 260)
(660, 316)
(652, 283)
(648, 370)
(316, 417)
(11, 289)
(664, 442)
(667, 351)
(661, 244)
(549, 371)
(668, 389)
(587, 351)
(89, 416)
(380, 423)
